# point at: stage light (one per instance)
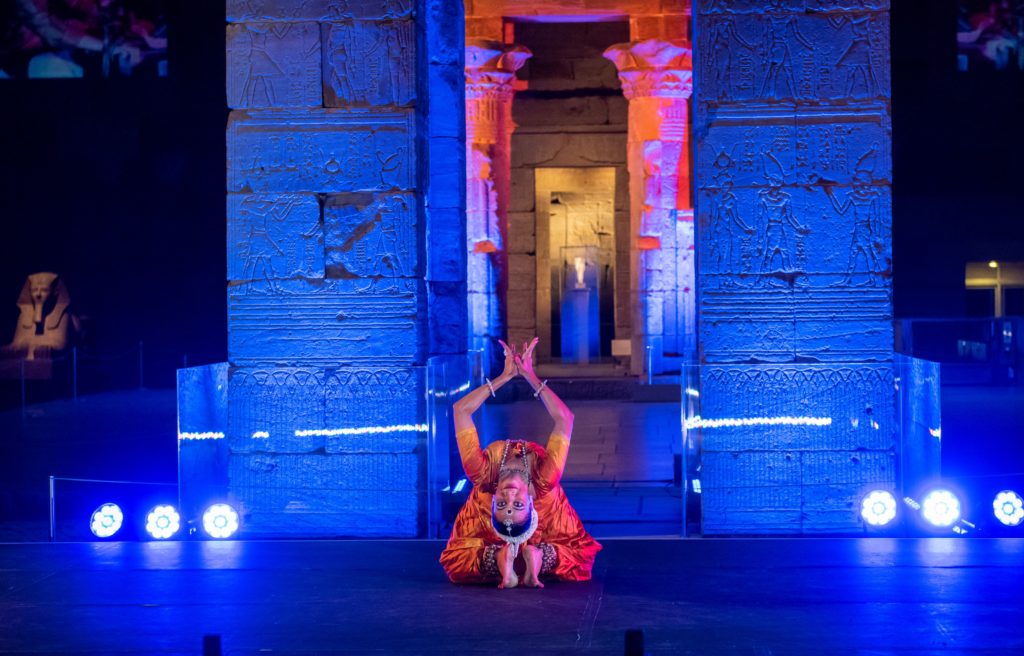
(106, 520)
(941, 508)
(878, 508)
(1008, 508)
(163, 522)
(220, 521)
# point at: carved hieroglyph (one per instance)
(795, 231)
(320, 151)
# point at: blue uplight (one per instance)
(878, 508)
(106, 520)
(1008, 508)
(220, 521)
(163, 522)
(941, 508)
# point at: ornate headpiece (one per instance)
(515, 534)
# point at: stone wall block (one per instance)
(521, 232)
(322, 323)
(573, 111)
(320, 151)
(273, 65)
(447, 86)
(369, 63)
(316, 10)
(522, 271)
(813, 148)
(446, 262)
(370, 235)
(266, 405)
(324, 494)
(274, 236)
(446, 303)
(522, 197)
(447, 174)
(572, 149)
(828, 57)
(386, 401)
(522, 308)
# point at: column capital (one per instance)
(491, 67)
(653, 68)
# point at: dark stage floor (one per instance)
(738, 596)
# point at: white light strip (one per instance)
(697, 422)
(692, 392)
(460, 486)
(935, 432)
(208, 435)
(440, 395)
(260, 435)
(365, 430)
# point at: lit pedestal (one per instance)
(580, 329)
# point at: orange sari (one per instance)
(558, 524)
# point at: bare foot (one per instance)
(534, 558)
(506, 565)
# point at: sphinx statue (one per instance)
(46, 323)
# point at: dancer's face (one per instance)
(512, 499)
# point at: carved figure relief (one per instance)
(274, 237)
(864, 200)
(856, 58)
(723, 38)
(781, 229)
(369, 62)
(779, 32)
(370, 236)
(274, 65)
(45, 323)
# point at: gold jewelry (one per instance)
(490, 387)
(540, 389)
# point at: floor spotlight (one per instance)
(106, 520)
(163, 522)
(220, 521)
(1008, 508)
(941, 508)
(878, 508)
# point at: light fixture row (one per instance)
(220, 521)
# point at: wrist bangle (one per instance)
(490, 387)
(540, 389)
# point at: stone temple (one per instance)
(703, 187)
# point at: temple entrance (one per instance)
(575, 219)
(553, 91)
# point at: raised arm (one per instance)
(558, 442)
(473, 460)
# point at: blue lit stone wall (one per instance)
(345, 194)
(794, 233)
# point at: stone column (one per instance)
(657, 79)
(490, 74)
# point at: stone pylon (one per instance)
(657, 80)
(490, 75)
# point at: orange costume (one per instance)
(569, 550)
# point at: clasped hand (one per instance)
(519, 363)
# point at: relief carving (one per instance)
(273, 65)
(367, 62)
(370, 236)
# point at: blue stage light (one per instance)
(106, 520)
(220, 521)
(163, 522)
(1008, 508)
(941, 508)
(878, 508)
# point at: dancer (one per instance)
(517, 524)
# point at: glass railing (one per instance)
(792, 448)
